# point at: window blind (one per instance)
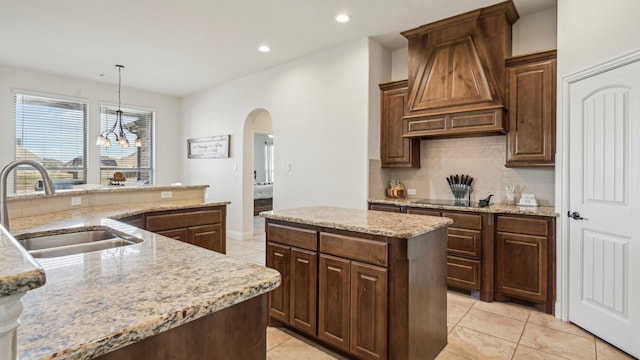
(52, 132)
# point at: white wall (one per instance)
(534, 32)
(167, 123)
(319, 108)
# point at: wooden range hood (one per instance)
(457, 74)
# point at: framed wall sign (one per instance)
(207, 148)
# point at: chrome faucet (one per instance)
(46, 181)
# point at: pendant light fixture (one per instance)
(118, 130)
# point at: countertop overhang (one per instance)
(364, 221)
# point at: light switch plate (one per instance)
(76, 200)
(166, 194)
(411, 191)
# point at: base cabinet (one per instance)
(525, 259)
(353, 306)
(373, 298)
(204, 227)
(294, 302)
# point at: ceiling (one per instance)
(180, 47)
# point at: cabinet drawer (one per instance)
(464, 242)
(176, 234)
(368, 251)
(421, 211)
(465, 221)
(382, 207)
(523, 225)
(464, 273)
(302, 238)
(163, 221)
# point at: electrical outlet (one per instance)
(76, 200)
(288, 166)
(411, 191)
(166, 195)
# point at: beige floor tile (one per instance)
(558, 342)
(450, 327)
(551, 321)
(275, 337)
(447, 355)
(476, 345)
(493, 324)
(461, 299)
(609, 352)
(510, 310)
(455, 312)
(527, 353)
(297, 349)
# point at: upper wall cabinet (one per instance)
(531, 90)
(396, 151)
(457, 74)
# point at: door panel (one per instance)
(279, 258)
(334, 300)
(604, 247)
(304, 268)
(368, 311)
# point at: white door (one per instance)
(604, 167)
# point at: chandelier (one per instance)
(118, 130)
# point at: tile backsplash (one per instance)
(482, 158)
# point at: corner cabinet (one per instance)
(395, 150)
(204, 227)
(525, 259)
(531, 100)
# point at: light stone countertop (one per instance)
(96, 302)
(19, 272)
(105, 189)
(363, 221)
(548, 211)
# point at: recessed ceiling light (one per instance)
(264, 48)
(343, 18)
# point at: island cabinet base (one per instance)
(366, 296)
(237, 332)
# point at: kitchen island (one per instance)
(371, 285)
(159, 298)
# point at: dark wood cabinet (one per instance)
(395, 150)
(204, 227)
(531, 100)
(134, 220)
(374, 298)
(294, 302)
(525, 259)
(469, 250)
(385, 207)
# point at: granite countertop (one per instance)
(105, 189)
(19, 272)
(96, 302)
(493, 208)
(364, 221)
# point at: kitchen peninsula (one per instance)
(159, 298)
(380, 280)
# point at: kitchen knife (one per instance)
(449, 181)
(469, 181)
(457, 179)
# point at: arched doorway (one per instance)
(258, 150)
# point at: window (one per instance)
(52, 132)
(135, 163)
(269, 170)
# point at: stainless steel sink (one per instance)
(75, 243)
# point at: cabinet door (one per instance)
(304, 268)
(135, 220)
(521, 268)
(333, 301)
(279, 258)
(532, 107)
(208, 237)
(395, 150)
(368, 334)
(384, 207)
(177, 234)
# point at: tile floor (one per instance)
(477, 330)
